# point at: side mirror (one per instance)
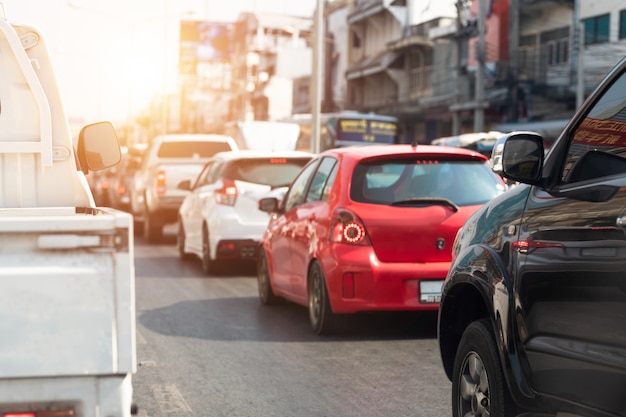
(268, 204)
(521, 157)
(184, 185)
(98, 147)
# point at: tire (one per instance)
(209, 266)
(152, 229)
(180, 243)
(266, 294)
(478, 384)
(323, 320)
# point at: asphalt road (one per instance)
(207, 347)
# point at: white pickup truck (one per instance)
(67, 306)
(169, 160)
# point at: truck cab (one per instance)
(532, 313)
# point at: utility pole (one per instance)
(479, 110)
(456, 115)
(513, 58)
(318, 58)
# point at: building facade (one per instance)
(438, 65)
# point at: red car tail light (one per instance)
(159, 182)
(346, 227)
(227, 195)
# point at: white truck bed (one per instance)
(68, 320)
(65, 312)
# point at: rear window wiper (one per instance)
(426, 201)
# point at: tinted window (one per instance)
(202, 177)
(295, 195)
(323, 180)
(462, 182)
(192, 149)
(275, 172)
(602, 131)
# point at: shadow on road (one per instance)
(244, 319)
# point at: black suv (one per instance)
(532, 318)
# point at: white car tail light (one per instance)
(159, 182)
(227, 195)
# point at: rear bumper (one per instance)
(232, 237)
(232, 249)
(376, 285)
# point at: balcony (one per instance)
(420, 82)
(364, 9)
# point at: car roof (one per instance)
(250, 154)
(373, 151)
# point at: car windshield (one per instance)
(191, 149)
(275, 171)
(394, 181)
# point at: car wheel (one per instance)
(180, 243)
(323, 320)
(152, 229)
(478, 385)
(266, 295)
(209, 266)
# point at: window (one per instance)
(322, 181)
(191, 149)
(558, 52)
(408, 181)
(295, 195)
(598, 146)
(556, 45)
(622, 24)
(202, 177)
(596, 29)
(275, 172)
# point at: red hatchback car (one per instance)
(370, 229)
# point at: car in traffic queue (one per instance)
(122, 177)
(168, 160)
(370, 228)
(219, 220)
(533, 310)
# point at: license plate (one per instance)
(430, 291)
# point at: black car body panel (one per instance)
(546, 263)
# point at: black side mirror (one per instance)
(522, 157)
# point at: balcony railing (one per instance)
(420, 81)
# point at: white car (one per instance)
(219, 220)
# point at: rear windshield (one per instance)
(392, 181)
(275, 172)
(192, 149)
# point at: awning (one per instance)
(363, 11)
(371, 65)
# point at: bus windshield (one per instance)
(346, 128)
(364, 130)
